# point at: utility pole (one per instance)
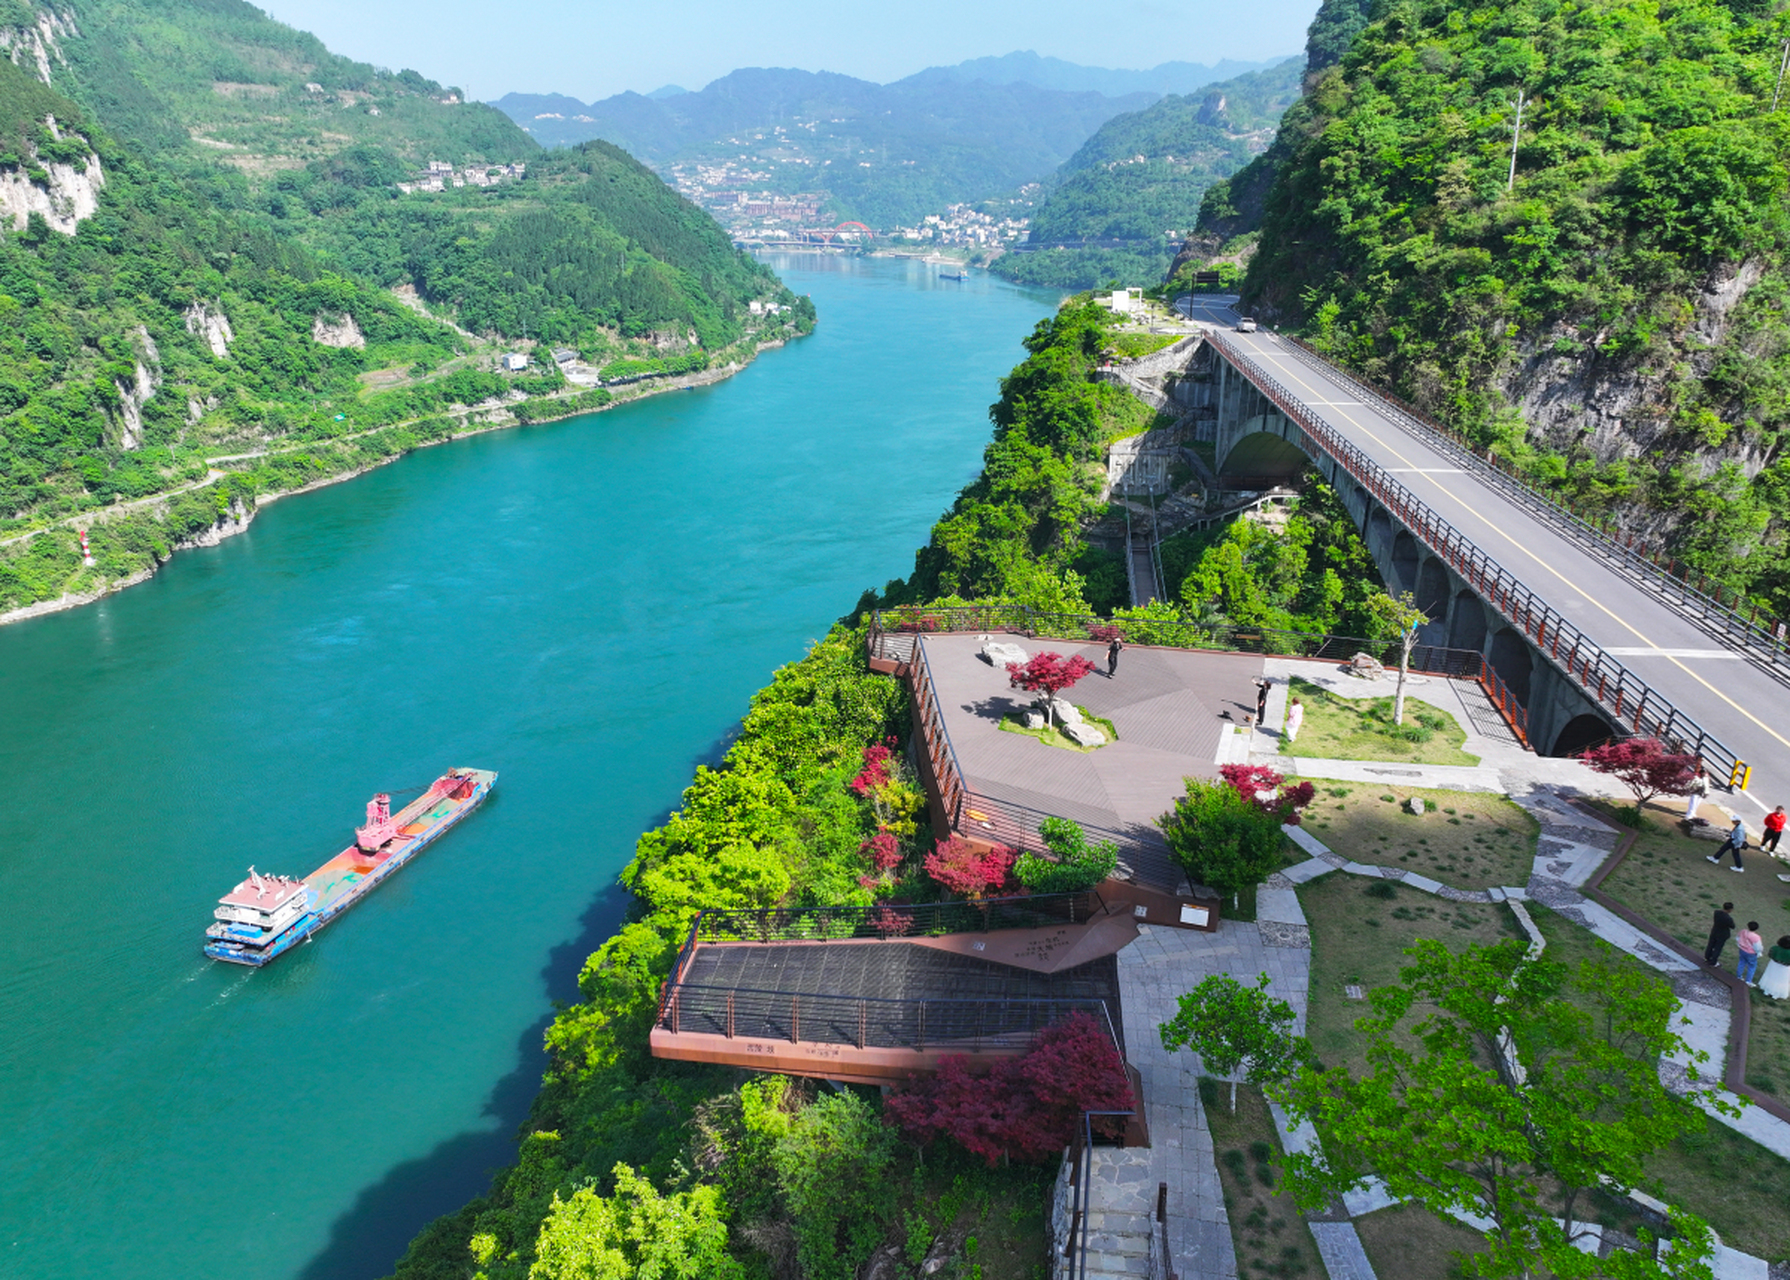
(1783, 63)
(1515, 133)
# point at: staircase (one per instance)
(1121, 1220)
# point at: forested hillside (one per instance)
(1612, 316)
(1118, 207)
(885, 154)
(225, 292)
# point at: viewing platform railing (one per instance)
(1633, 704)
(897, 920)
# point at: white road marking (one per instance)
(1676, 653)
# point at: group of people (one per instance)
(1736, 840)
(1775, 981)
(1295, 709)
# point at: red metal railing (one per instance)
(1633, 704)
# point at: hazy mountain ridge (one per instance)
(886, 154)
(1118, 206)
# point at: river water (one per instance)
(583, 606)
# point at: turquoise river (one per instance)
(583, 606)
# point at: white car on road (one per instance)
(1246, 325)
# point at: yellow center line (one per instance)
(1281, 367)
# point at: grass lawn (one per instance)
(1361, 729)
(1466, 839)
(1411, 1243)
(1665, 880)
(1052, 736)
(1359, 931)
(1269, 1233)
(1727, 1179)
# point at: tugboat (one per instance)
(266, 916)
(960, 276)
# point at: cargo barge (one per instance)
(266, 916)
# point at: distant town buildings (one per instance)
(440, 175)
(962, 224)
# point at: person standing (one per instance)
(1719, 933)
(1262, 685)
(1748, 942)
(1699, 790)
(1775, 981)
(1295, 718)
(1112, 656)
(1735, 842)
(1774, 828)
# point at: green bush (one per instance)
(1075, 864)
(1221, 839)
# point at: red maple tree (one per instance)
(1267, 790)
(883, 850)
(962, 868)
(1049, 674)
(875, 774)
(1025, 1108)
(1645, 766)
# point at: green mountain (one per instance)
(1121, 204)
(1612, 315)
(886, 155)
(214, 286)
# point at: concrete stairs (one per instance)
(1121, 1206)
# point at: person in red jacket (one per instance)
(1774, 827)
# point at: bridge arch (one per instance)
(1466, 625)
(1265, 455)
(1432, 589)
(1377, 533)
(1511, 659)
(1581, 732)
(1404, 562)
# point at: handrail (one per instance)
(1641, 565)
(898, 920)
(950, 777)
(1081, 1158)
(1602, 679)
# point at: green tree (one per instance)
(1232, 1026)
(1221, 838)
(1398, 616)
(1074, 864)
(832, 1161)
(1502, 1087)
(635, 1234)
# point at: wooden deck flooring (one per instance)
(1168, 707)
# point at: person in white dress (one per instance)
(1776, 979)
(1295, 718)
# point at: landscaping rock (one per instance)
(1065, 712)
(1034, 719)
(1415, 805)
(1364, 665)
(1085, 735)
(999, 653)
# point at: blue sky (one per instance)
(592, 48)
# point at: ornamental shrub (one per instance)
(1075, 864)
(1222, 839)
(1266, 788)
(959, 866)
(1023, 1108)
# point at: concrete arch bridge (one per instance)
(1592, 638)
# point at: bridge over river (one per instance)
(1594, 638)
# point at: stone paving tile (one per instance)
(1339, 1245)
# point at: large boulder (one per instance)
(1084, 735)
(1034, 719)
(1065, 712)
(1365, 665)
(999, 653)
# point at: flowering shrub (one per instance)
(875, 774)
(883, 850)
(1025, 1108)
(1049, 674)
(1267, 790)
(1104, 633)
(960, 867)
(890, 923)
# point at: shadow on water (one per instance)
(367, 1241)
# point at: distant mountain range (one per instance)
(881, 154)
(1054, 73)
(1119, 206)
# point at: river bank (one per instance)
(163, 533)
